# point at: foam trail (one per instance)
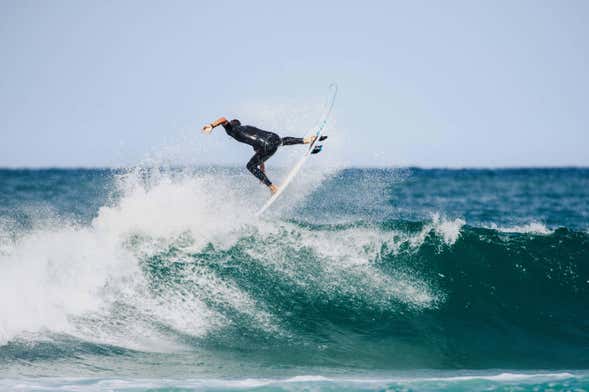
(522, 381)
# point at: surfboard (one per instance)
(295, 169)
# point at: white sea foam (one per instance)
(532, 228)
(70, 279)
(501, 377)
(448, 229)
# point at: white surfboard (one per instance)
(293, 172)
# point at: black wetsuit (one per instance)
(264, 143)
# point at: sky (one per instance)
(421, 83)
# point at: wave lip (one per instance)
(531, 228)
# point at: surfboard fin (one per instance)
(317, 149)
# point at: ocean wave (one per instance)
(178, 263)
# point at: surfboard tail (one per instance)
(292, 173)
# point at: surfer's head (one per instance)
(235, 122)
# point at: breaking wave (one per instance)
(176, 263)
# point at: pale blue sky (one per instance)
(427, 83)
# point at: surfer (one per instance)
(264, 143)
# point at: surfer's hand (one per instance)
(207, 128)
(273, 188)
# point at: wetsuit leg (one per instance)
(260, 157)
(292, 140)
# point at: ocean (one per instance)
(406, 279)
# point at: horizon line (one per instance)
(400, 167)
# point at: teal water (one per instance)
(359, 279)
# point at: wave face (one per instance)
(167, 273)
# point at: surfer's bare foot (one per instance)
(273, 188)
(311, 139)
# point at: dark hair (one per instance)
(235, 122)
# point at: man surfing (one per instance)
(264, 143)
